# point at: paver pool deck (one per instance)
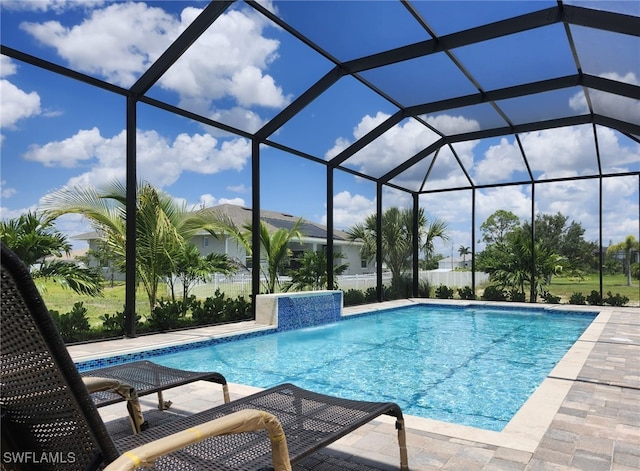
(584, 416)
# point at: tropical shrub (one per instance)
(494, 293)
(424, 289)
(371, 294)
(616, 300)
(444, 292)
(353, 297)
(237, 309)
(466, 293)
(73, 325)
(549, 298)
(211, 311)
(166, 315)
(594, 299)
(517, 296)
(114, 323)
(577, 298)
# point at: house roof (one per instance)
(241, 215)
(274, 220)
(91, 235)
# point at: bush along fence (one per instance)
(491, 293)
(167, 315)
(495, 293)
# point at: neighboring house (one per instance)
(314, 238)
(454, 263)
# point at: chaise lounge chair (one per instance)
(48, 417)
(112, 384)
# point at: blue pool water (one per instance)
(473, 366)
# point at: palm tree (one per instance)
(162, 226)
(397, 238)
(274, 246)
(434, 229)
(189, 266)
(510, 263)
(32, 238)
(464, 251)
(627, 248)
(313, 270)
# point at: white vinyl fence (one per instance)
(240, 285)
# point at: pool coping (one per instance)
(525, 430)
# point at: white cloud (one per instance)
(68, 152)
(57, 6)
(366, 124)
(7, 66)
(499, 163)
(236, 201)
(349, 209)
(613, 154)
(12, 213)
(509, 198)
(251, 87)
(242, 53)
(229, 61)
(608, 104)
(340, 145)
(402, 142)
(239, 188)
(118, 42)
(16, 104)
(238, 117)
(561, 152)
(207, 200)
(448, 124)
(160, 161)
(6, 192)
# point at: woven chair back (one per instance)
(48, 418)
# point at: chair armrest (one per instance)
(95, 384)
(246, 420)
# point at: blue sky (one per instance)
(57, 132)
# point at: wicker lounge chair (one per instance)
(145, 377)
(49, 418)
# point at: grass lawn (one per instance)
(565, 287)
(62, 299)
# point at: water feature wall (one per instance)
(290, 311)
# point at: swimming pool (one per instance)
(474, 366)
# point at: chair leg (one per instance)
(225, 393)
(402, 442)
(138, 424)
(162, 404)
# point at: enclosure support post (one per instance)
(130, 228)
(255, 223)
(533, 294)
(379, 241)
(330, 261)
(473, 241)
(600, 255)
(416, 248)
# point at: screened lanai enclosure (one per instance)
(335, 110)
